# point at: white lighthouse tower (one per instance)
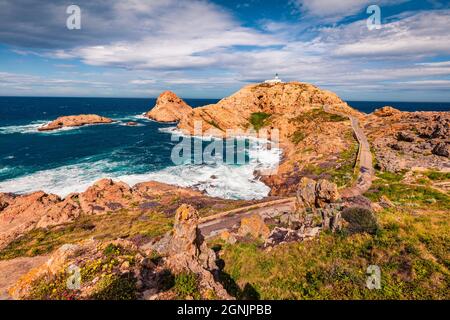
(274, 80)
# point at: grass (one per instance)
(411, 250)
(186, 285)
(111, 284)
(106, 227)
(343, 174)
(407, 196)
(437, 176)
(259, 120)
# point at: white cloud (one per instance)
(333, 11)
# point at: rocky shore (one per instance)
(147, 236)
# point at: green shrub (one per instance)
(438, 176)
(186, 284)
(360, 220)
(116, 287)
(113, 250)
(297, 137)
(259, 119)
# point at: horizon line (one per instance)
(103, 97)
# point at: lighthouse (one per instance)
(274, 80)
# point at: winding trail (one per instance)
(213, 225)
(364, 163)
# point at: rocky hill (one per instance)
(314, 142)
(169, 108)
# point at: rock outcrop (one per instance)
(121, 270)
(296, 110)
(184, 250)
(318, 204)
(387, 111)
(91, 269)
(74, 121)
(20, 214)
(169, 108)
(409, 140)
(312, 194)
(282, 102)
(253, 226)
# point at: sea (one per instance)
(71, 159)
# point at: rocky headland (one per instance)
(74, 121)
(169, 108)
(148, 241)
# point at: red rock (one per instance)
(74, 121)
(169, 108)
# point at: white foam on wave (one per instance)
(220, 179)
(61, 181)
(217, 179)
(25, 128)
(4, 169)
(33, 128)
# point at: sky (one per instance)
(210, 49)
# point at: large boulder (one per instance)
(169, 108)
(441, 149)
(186, 251)
(312, 194)
(326, 192)
(386, 111)
(253, 226)
(306, 193)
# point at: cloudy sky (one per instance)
(209, 49)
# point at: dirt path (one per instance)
(211, 226)
(364, 159)
(12, 270)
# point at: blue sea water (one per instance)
(69, 160)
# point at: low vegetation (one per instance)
(186, 285)
(317, 115)
(259, 120)
(438, 176)
(411, 251)
(125, 224)
(342, 172)
(407, 196)
(110, 284)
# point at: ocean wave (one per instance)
(229, 181)
(32, 128)
(62, 180)
(25, 128)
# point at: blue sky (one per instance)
(209, 49)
